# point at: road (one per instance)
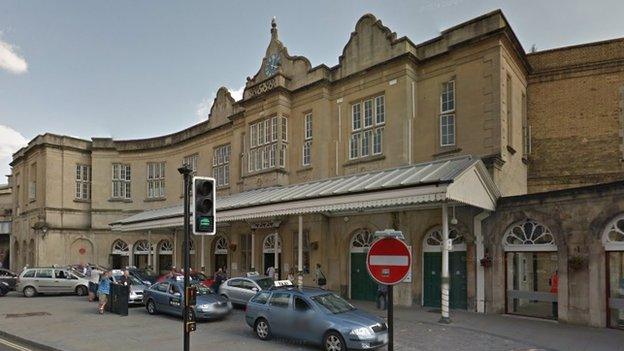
(8, 344)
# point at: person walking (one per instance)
(291, 275)
(125, 278)
(321, 281)
(271, 272)
(218, 279)
(103, 291)
(382, 296)
(554, 289)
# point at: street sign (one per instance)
(388, 261)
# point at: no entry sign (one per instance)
(388, 261)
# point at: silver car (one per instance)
(137, 288)
(241, 289)
(51, 280)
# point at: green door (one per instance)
(363, 287)
(432, 273)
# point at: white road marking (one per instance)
(14, 346)
(388, 260)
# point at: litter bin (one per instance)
(118, 299)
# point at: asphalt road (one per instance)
(8, 344)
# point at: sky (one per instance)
(143, 68)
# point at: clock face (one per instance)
(272, 63)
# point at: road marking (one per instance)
(14, 346)
(388, 260)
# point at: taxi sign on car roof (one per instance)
(282, 283)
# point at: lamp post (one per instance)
(185, 170)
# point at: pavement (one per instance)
(71, 323)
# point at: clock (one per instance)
(272, 63)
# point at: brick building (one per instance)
(465, 129)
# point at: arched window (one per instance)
(120, 248)
(613, 236)
(142, 247)
(166, 247)
(433, 240)
(529, 235)
(362, 240)
(221, 246)
(268, 246)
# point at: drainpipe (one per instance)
(478, 231)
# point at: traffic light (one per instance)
(203, 200)
(191, 295)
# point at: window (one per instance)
(29, 274)
(367, 137)
(121, 181)
(307, 144)
(261, 298)
(447, 116)
(221, 165)
(263, 146)
(83, 182)
(44, 273)
(307, 153)
(280, 299)
(308, 126)
(191, 161)
(301, 305)
(155, 180)
(447, 130)
(32, 184)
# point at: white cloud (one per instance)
(10, 60)
(10, 141)
(203, 108)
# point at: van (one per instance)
(51, 280)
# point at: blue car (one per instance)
(315, 316)
(168, 297)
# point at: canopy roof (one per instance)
(461, 179)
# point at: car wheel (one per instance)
(262, 329)
(334, 342)
(29, 291)
(81, 290)
(151, 307)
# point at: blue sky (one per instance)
(134, 69)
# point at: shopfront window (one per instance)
(613, 240)
(532, 276)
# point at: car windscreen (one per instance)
(133, 280)
(264, 283)
(203, 290)
(333, 303)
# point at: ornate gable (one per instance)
(222, 108)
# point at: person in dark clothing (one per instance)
(219, 277)
(382, 296)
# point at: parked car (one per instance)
(315, 316)
(137, 288)
(168, 297)
(8, 277)
(51, 280)
(4, 288)
(146, 276)
(241, 289)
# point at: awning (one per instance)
(461, 179)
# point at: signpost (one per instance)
(388, 262)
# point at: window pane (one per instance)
(380, 108)
(78, 173)
(274, 128)
(272, 155)
(308, 126)
(378, 141)
(366, 140)
(253, 135)
(354, 146)
(368, 113)
(284, 129)
(226, 174)
(356, 118)
(267, 127)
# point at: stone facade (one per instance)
(508, 108)
(6, 207)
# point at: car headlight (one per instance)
(204, 307)
(363, 333)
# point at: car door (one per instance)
(44, 278)
(234, 290)
(279, 313)
(303, 320)
(159, 295)
(174, 299)
(248, 290)
(62, 282)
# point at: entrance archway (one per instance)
(165, 256)
(432, 269)
(362, 286)
(220, 252)
(532, 277)
(613, 241)
(269, 253)
(142, 250)
(120, 254)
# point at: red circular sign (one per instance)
(388, 261)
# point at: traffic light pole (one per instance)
(186, 173)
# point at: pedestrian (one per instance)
(291, 274)
(218, 279)
(382, 296)
(103, 291)
(321, 281)
(554, 289)
(271, 272)
(125, 278)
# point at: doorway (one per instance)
(363, 287)
(269, 245)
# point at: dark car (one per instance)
(4, 288)
(146, 276)
(8, 277)
(315, 316)
(168, 297)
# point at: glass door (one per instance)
(532, 281)
(615, 260)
